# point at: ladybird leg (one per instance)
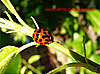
(35, 22)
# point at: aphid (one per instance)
(41, 36)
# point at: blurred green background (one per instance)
(66, 26)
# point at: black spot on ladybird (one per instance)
(36, 38)
(41, 43)
(44, 29)
(33, 35)
(43, 36)
(48, 36)
(37, 35)
(45, 42)
(45, 33)
(40, 40)
(46, 39)
(39, 31)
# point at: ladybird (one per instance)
(42, 36)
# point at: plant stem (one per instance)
(73, 65)
(30, 67)
(84, 50)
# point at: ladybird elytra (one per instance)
(42, 36)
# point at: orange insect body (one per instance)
(42, 36)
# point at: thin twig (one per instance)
(30, 66)
(84, 50)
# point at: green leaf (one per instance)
(8, 5)
(94, 18)
(77, 43)
(76, 24)
(88, 47)
(95, 57)
(63, 30)
(14, 66)
(6, 55)
(89, 72)
(40, 68)
(67, 26)
(74, 13)
(33, 59)
(95, 45)
(23, 69)
(24, 3)
(19, 37)
(70, 70)
(71, 53)
(29, 72)
(68, 43)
